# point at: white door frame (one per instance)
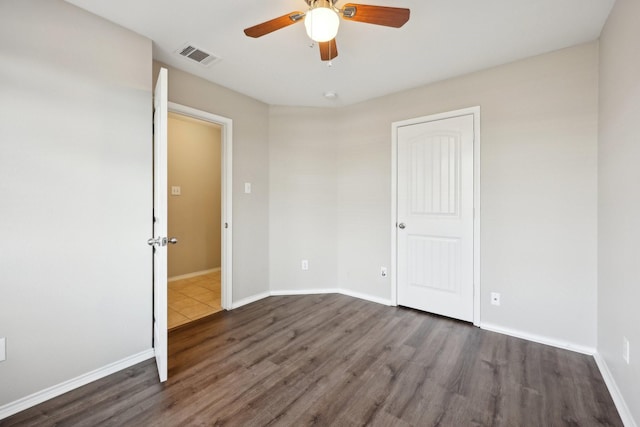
(226, 125)
(475, 111)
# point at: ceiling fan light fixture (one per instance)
(323, 18)
(322, 23)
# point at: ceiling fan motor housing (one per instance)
(321, 3)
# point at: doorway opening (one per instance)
(199, 212)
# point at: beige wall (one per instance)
(619, 199)
(77, 179)
(330, 192)
(538, 179)
(302, 197)
(250, 223)
(76, 185)
(194, 216)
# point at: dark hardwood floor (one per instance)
(340, 361)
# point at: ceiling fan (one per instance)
(323, 19)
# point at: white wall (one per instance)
(75, 181)
(619, 199)
(250, 164)
(539, 130)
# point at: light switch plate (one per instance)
(3, 349)
(247, 187)
(625, 349)
(175, 190)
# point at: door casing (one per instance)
(475, 111)
(226, 124)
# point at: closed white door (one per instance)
(159, 240)
(435, 216)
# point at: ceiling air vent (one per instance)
(198, 55)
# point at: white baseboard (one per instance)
(289, 292)
(194, 274)
(618, 400)
(59, 389)
(539, 339)
(365, 297)
(249, 300)
(331, 291)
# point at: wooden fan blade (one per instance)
(328, 50)
(380, 15)
(274, 24)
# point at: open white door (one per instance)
(159, 241)
(435, 215)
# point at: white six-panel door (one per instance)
(435, 208)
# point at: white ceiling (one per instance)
(443, 38)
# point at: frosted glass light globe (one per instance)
(322, 24)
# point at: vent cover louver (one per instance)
(198, 55)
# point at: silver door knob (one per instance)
(173, 240)
(153, 241)
(401, 226)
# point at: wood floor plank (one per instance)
(332, 360)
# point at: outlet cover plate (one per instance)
(495, 298)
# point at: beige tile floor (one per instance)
(193, 298)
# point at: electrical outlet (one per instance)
(3, 349)
(625, 349)
(383, 271)
(495, 298)
(305, 264)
